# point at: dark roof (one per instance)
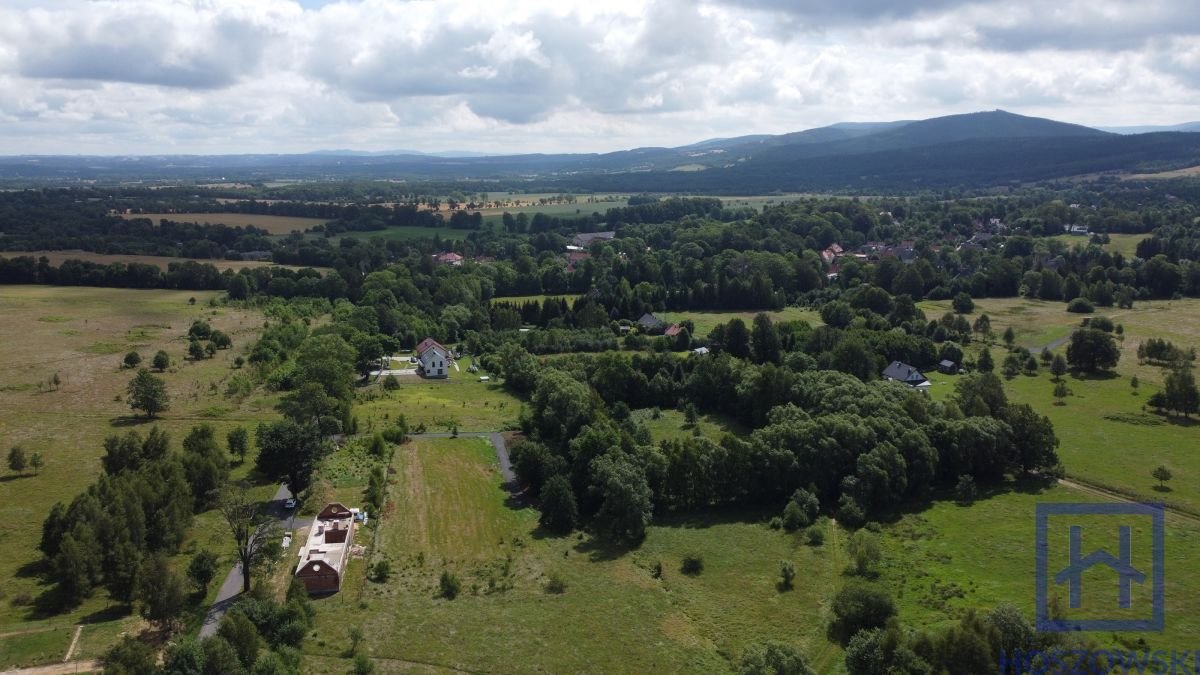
(946, 363)
(902, 372)
(648, 320)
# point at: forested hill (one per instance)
(975, 150)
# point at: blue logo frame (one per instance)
(1079, 562)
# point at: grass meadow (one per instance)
(706, 321)
(272, 224)
(82, 334)
(1125, 244)
(460, 400)
(449, 512)
(1107, 438)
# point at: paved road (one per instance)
(497, 442)
(1053, 345)
(231, 587)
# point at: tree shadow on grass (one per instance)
(717, 516)
(131, 421)
(32, 569)
(110, 613)
(1162, 488)
(1099, 375)
(602, 550)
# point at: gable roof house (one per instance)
(324, 557)
(433, 360)
(902, 372)
(449, 258)
(649, 322)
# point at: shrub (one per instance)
(775, 523)
(556, 584)
(965, 491)
(692, 565)
(449, 585)
(1081, 306)
(390, 383)
(859, 606)
(381, 571)
(363, 665)
(814, 535)
(787, 574)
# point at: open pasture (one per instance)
(449, 513)
(1125, 244)
(81, 334)
(272, 224)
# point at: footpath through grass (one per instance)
(450, 513)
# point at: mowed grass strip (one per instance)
(272, 224)
(460, 400)
(50, 330)
(450, 513)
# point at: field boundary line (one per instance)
(1084, 485)
(74, 643)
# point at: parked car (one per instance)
(289, 504)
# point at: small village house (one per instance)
(902, 372)
(433, 360)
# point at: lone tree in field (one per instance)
(148, 393)
(1058, 367)
(16, 459)
(1091, 350)
(202, 569)
(162, 361)
(1060, 393)
(1161, 474)
(239, 443)
(1009, 337)
(132, 360)
(35, 462)
(1180, 392)
(253, 531)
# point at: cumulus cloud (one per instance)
(510, 75)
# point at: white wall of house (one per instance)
(434, 363)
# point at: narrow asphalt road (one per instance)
(1055, 344)
(231, 587)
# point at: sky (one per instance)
(154, 77)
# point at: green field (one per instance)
(1125, 244)
(948, 558)
(706, 321)
(670, 425)
(81, 334)
(272, 224)
(450, 513)
(460, 400)
(1107, 438)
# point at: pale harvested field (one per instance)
(272, 224)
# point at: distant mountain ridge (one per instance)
(1151, 129)
(979, 149)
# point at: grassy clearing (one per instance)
(460, 400)
(57, 257)
(1125, 244)
(671, 425)
(450, 513)
(522, 299)
(407, 233)
(938, 565)
(272, 224)
(50, 330)
(706, 321)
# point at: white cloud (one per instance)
(156, 76)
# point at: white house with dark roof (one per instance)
(433, 360)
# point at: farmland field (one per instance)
(451, 513)
(81, 334)
(272, 224)
(56, 258)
